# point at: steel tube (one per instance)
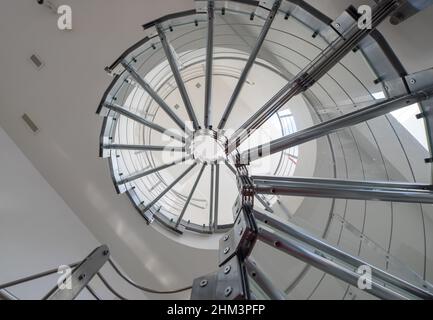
(262, 280)
(328, 127)
(188, 200)
(132, 116)
(304, 237)
(148, 172)
(143, 148)
(296, 250)
(324, 62)
(250, 63)
(154, 95)
(216, 199)
(211, 196)
(177, 76)
(209, 64)
(344, 189)
(151, 204)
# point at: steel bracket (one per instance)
(240, 240)
(420, 80)
(244, 183)
(344, 22)
(228, 283)
(149, 215)
(82, 275)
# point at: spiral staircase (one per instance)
(269, 128)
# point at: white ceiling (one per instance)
(62, 99)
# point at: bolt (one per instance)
(203, 283)
(241, 231)
(106, 252)
(226, 237)
(226, 250)
(337, 25)
(228, 291)
(412, 81)
(227, 269)
(81, 277)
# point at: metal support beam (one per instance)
(188, 200)
(141, 147)
(250, 63)
(324, 62)
(262, 280)
(177, 76)
(154, 95)
(328, 127)
(148, 172)
(81, 275)
(216, 199)
(132, 116)
(151, 204)
(311, 257)
(209, 64)
(344, 189)
(263, 202)
(304, 237)
(211, 196)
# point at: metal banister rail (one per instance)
(80, 279)
(82, 274)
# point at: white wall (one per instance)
(38, 231)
